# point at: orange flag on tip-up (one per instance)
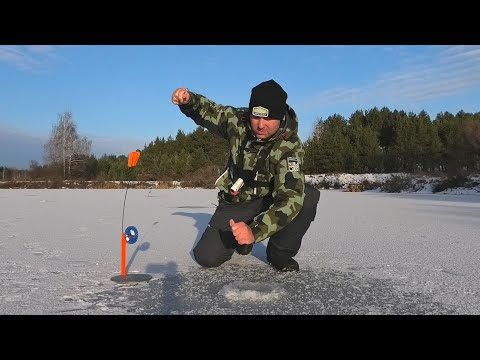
(133, 158)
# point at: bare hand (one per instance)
(242, 232)
(180, 96)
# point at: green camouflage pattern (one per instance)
(283, 165)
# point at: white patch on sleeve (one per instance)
(293, 164)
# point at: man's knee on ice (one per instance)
(205, 260)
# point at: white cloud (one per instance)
(446, 71)
(31, 58)
(47, 50)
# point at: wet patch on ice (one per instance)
(251, 291)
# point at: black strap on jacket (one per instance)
(248, 176)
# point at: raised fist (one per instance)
(180, 96)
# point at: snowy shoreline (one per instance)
(413, 183)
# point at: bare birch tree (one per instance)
(77, 158)
(64, 144)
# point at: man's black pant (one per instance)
(218, 244)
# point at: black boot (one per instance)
(291, 265)
(244, 249)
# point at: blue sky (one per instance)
(120, 95)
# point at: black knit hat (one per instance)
(268, 99)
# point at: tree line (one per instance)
(371, 141)
(385, 141)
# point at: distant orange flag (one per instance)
(133, 158)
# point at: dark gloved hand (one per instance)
(244, 249)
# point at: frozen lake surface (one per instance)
(366, 253)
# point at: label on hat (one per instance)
(260, 111)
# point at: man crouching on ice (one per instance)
(262, 193)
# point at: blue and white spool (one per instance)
(131, 234)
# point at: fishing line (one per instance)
(124, 201)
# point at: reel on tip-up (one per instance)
(131, 234)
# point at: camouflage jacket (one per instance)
(280, 174)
